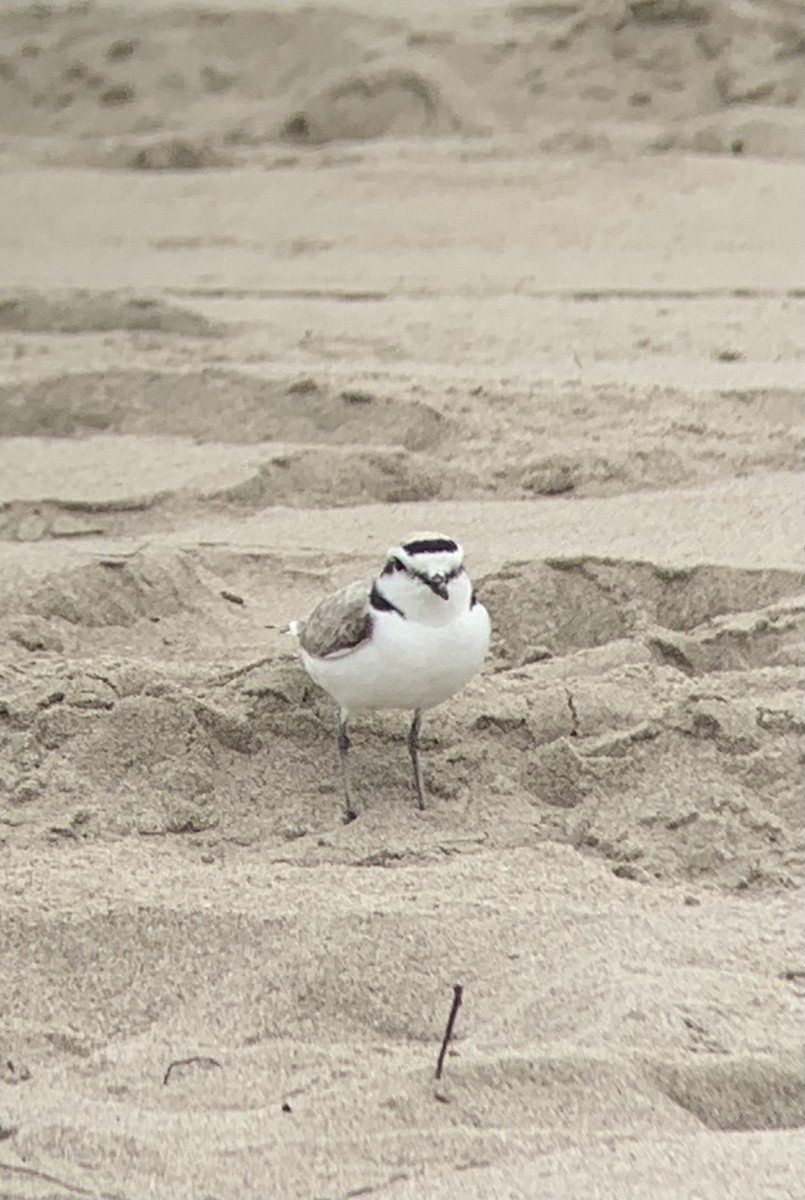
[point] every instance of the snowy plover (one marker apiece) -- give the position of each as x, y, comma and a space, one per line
411, 639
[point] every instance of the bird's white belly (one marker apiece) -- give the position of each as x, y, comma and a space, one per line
406, 664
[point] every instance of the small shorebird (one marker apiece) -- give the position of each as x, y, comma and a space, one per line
410, 640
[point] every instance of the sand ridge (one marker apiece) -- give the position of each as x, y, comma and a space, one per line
281, 285
203, 88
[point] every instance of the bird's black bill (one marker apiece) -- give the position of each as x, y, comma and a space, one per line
438, 585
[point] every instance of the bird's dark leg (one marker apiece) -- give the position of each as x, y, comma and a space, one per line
344, 744
413, 748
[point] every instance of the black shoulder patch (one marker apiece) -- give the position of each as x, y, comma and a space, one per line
473, 598
380, 604
431, 546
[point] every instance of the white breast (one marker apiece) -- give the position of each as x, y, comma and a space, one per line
407, 663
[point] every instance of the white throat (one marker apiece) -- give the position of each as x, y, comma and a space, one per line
417, 602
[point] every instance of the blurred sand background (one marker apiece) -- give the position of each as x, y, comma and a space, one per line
279, 285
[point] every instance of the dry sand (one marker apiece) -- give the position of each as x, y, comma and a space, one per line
279, 287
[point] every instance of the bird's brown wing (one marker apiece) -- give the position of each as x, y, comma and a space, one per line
341, 622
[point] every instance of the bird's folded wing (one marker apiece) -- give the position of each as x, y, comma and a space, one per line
340, 623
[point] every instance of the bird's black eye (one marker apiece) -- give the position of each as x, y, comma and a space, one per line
393, 564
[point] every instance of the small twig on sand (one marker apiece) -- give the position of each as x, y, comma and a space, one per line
236, 672
458, 993
185, 1062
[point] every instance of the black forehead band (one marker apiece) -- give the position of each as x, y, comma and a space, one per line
431, 546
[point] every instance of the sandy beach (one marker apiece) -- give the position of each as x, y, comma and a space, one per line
281, 285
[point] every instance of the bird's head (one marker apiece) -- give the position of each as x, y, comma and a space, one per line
429, 559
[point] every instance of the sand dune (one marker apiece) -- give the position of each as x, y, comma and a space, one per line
280, 285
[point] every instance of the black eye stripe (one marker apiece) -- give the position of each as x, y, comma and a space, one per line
394, 565
423, 577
